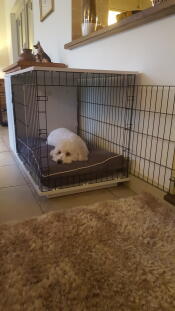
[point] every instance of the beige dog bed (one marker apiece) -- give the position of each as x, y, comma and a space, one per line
112, 256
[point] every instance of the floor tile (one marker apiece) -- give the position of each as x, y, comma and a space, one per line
11, 176
4, 135
3, 131
6, 158
17, 203
3, 146
121, 191
86, 198
6, 141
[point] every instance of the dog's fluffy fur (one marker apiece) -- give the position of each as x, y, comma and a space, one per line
68, 146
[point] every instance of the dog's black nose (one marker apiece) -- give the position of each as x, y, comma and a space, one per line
59, 161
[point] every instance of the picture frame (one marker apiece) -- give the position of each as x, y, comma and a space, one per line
46, 8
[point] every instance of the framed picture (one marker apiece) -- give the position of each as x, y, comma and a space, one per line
46, 7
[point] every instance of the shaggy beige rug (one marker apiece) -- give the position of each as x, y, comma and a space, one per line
112, 256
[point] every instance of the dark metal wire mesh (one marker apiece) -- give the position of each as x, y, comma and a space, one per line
113, 114
153, 136
104, 120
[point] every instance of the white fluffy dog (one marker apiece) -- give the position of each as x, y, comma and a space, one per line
68, 146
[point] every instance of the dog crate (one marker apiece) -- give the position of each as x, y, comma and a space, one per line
96, 105
3, 110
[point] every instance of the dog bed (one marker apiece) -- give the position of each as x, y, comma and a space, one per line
100, 164
111, 256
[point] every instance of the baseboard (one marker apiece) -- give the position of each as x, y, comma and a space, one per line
150, 181
138, 186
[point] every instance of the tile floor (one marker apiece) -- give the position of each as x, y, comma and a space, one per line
18, 200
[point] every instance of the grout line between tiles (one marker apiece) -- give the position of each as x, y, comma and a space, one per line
6, 187
30, 187
10, 164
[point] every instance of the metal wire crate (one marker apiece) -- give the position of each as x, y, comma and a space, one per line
153, 136
112, 114
103, 117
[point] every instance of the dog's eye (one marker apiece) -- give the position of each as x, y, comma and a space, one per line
59, 152
67, 154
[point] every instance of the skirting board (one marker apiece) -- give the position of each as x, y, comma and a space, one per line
70, 190
137, 185
149, 181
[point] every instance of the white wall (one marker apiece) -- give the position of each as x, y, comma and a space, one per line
55, 30
5, 34
4, 58
149, 49
8, 8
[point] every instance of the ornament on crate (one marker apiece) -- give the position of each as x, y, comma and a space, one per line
41, 56
155, 2
26, 55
